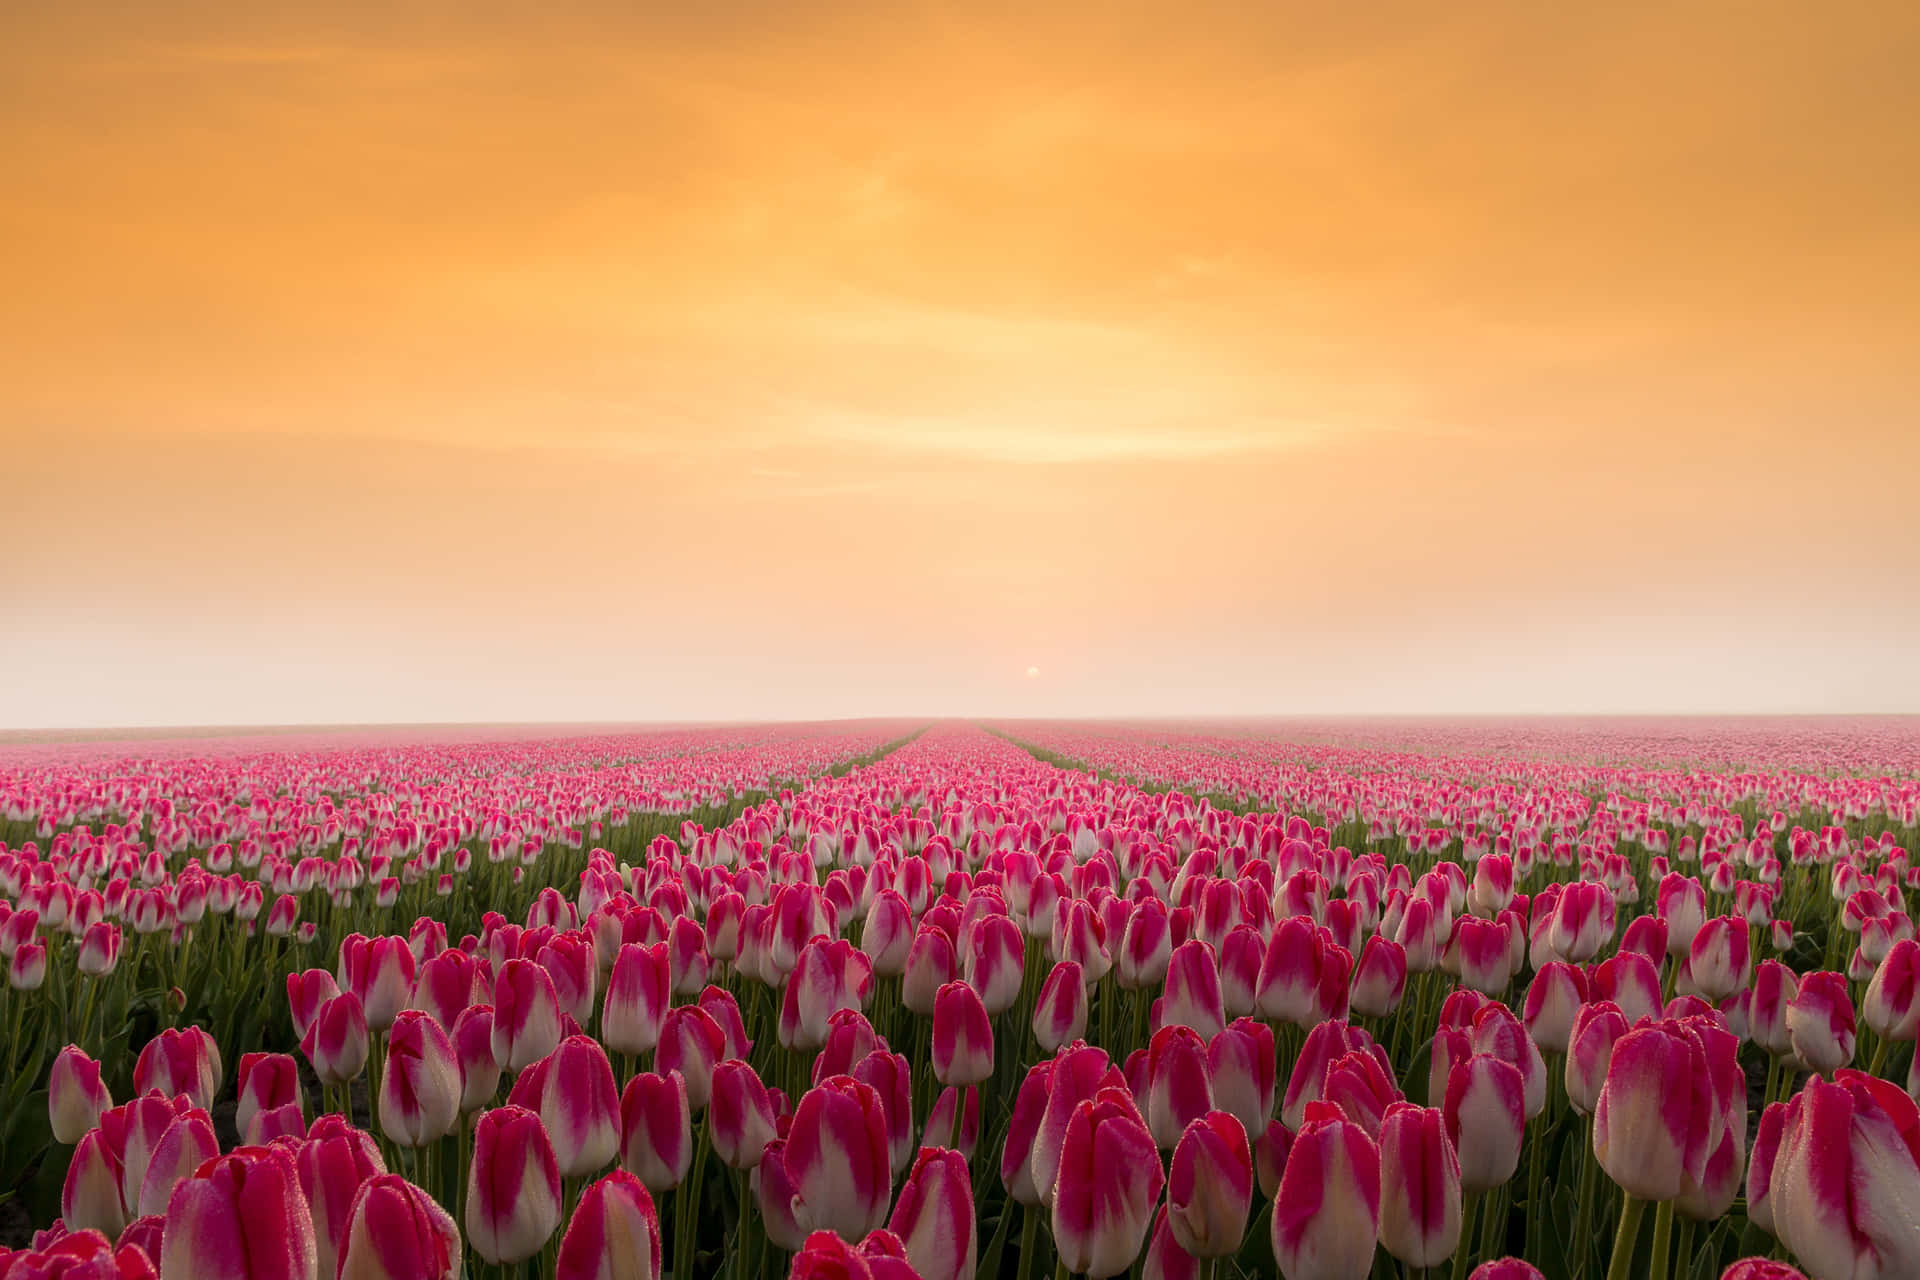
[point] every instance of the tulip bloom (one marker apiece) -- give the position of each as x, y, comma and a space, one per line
399, 1232
336, 1042
1210, 1186
1240, 1065
1485, 1114
1380, 979
1060, 1013
614, 1233
934, 1217
1846, 1178
1419, 1186
1179, 1087
827, 977
472, 1039
526, 1014
1016, 1155
1506, 1269
1892, 1003
1108, 1182
76, 1096
242, 1215
656, 1130
962, 1036
838, 1158
335, 1162
1326, 1217
1656, 1121
420, 1090
1596, 1028
1192, 996
176, 1062
637, 998
91, 1197
691, 1043
1554, 997
1820, 1022
513, 1186
741, 1114
773, 1195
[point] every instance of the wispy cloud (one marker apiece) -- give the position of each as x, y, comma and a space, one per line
1040, 443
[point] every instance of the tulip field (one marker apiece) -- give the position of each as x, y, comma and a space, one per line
883, 1000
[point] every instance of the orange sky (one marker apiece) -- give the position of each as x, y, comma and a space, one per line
766, 360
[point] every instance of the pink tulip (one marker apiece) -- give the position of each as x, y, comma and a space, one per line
930, 965
1270, 1150
380, 972
580, 1107
1165, 1259
1179, 1085
1060, 1012
336, 1041
995, 961
184, 1145
891, 1076
76, 1095
1108, 1182
838, 1158
774, 1196
1766, 1151
1420, 1191
1506, 1269
306, 992
1485, 1115
1381, 977
887, 934
99, 952
1240, 1065
720, 1006
335, 1162
176, 1062
91, 1197
526, 1015
1146, 946
1631, 981
656, 1128
962, 1036
692, 1043
1759, 1269
637, 998
1774, 989
828, 976
1590, 1051
1820, 1022
1719, 961
1023, 1123
1326, 1216
396, 1231
241, 1215
934, 1217
472, 1039
1847, 1177
1325, 1043
1192, 995
1582, 922
1210, 1186
513, 1186
741, 1114
940, 1132
1554, 997
1362, 1088
1656, 1121
614, 1233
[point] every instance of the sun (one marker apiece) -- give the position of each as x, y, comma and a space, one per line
1033, 673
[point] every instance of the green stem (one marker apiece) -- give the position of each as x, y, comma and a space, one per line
1463, 1255
1662, 1238
1624, 1240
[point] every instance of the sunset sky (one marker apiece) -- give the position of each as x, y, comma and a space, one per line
474, 361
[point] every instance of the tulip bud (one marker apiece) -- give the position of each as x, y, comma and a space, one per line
1595, 1029
177, 1062
91, 1195
1759, 1269
1654, 1125
741, 1114
1774, 988
513, 1186
775, 1197
1553, 998
1847, 1176
1381, 977
1486, 1117
1506, 1269
396, 1231
638, 996
76, 1095
614, 1233
335, 1163
962, 1036
336, 1042
1210, 1186
1192, 995
934, 1216
656, 1128
1326, 1216
1419, 1186
472, 1039
1060, 1013
1108, 1183
240, 1216
1820, 1022
1016, 1155
526, 1015
1240, 1066
838, 1158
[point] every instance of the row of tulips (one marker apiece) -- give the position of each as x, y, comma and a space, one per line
721, 961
